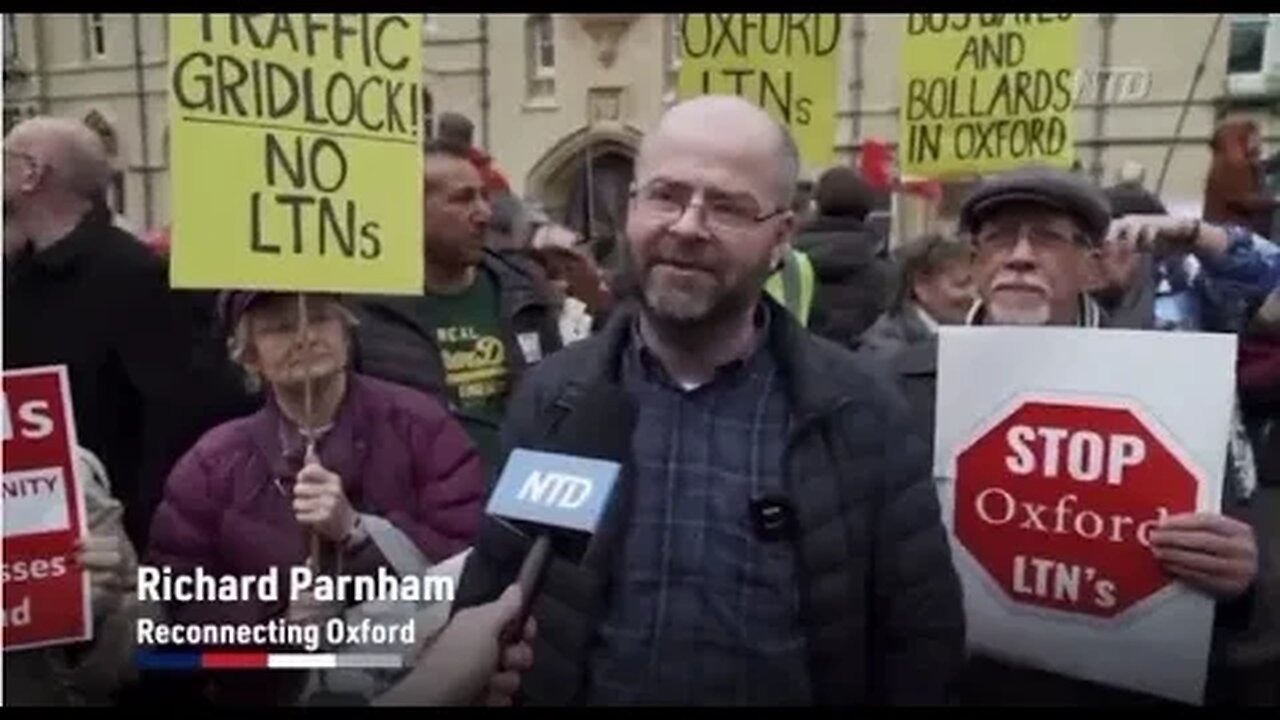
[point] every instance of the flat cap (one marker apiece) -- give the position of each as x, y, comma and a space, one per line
1058, 189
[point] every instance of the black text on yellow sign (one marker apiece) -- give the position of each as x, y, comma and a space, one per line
783, 62
296, 151
986, 92
302, 183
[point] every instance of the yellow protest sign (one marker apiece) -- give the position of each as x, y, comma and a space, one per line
983, 93
785, 63
295, 148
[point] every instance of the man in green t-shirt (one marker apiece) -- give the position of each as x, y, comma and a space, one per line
483, 318
468, 333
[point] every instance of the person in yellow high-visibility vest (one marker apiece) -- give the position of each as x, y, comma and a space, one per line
792, 284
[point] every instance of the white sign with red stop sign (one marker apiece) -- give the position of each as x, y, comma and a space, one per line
1057, 451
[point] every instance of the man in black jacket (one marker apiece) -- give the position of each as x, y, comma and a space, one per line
80, 292
483, 318
854, 283
774, 537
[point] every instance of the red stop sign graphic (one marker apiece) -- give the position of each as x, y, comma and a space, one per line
1056, 502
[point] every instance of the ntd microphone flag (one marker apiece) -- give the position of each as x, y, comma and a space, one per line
552, 489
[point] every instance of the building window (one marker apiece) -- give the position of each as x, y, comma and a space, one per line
671, 45
10, 36
1247, 45
95, 36
1253, 55
540, 52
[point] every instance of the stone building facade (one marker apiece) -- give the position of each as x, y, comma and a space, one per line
561, 100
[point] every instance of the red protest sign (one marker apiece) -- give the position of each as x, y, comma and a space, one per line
46, 601
1056, 502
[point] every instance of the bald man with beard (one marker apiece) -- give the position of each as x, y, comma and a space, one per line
774, 537
84, 293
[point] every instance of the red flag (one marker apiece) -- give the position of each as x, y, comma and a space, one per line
876, 164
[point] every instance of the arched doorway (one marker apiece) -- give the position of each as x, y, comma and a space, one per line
596, 207
583, 182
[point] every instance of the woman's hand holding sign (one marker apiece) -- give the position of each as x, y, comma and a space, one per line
1215, 553
319, 503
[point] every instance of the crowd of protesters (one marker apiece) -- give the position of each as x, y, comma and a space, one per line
752, 338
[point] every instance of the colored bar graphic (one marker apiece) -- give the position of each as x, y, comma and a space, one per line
233, 661
369, 661
152, 660
301, 660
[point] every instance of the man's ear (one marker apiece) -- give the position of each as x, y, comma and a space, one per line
786, 228
775, 257
1091, 270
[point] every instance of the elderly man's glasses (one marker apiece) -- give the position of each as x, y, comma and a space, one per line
1041, 238
722, 212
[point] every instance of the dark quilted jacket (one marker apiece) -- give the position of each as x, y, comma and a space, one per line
853, 282
400, 457
881, 603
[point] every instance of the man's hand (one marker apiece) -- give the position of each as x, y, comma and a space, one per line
1215, 553
1165, 235
104, 559
466, 664
319, 503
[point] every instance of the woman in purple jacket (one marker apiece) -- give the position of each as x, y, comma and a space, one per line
249, 498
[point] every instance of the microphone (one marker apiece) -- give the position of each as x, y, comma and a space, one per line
551, 493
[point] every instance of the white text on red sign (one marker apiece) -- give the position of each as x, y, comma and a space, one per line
1088, 454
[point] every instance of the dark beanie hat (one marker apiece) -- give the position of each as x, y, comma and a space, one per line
233, 304
841, 192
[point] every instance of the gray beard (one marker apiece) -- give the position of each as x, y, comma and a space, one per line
666, 315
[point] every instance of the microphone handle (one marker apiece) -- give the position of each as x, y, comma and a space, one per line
529, 578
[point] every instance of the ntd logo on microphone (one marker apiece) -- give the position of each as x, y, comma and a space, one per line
553, 489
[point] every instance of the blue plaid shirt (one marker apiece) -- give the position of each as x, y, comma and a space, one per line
1216, 297
701, 611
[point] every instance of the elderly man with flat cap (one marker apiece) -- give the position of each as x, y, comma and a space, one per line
1033, 232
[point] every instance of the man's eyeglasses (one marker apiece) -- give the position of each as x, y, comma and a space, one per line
1041, 238
721, 212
